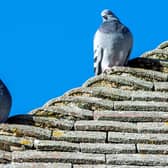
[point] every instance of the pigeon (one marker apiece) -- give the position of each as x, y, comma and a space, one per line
112, 42
5, 102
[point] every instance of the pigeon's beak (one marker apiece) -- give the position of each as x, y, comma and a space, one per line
105, 17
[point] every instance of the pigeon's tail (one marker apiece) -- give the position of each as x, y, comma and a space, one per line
98, 56
126, 61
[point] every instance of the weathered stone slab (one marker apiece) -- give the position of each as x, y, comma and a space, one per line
121, 137
152, 64
7, 141
85, 125
149, 96
137, 159
111, 93
161, 86
107, 148
118, 81
5, 157
152, 149
79, 136
53, 122
41, 165
139, 72
132, 116
67, 111
153, 127
6, 166
115, 166
26, 130
63, 157
83, 102
88, 166
140, 106
46, 145
133, 166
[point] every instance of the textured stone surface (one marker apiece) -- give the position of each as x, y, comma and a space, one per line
49, 122
7, 141
132, 116
116, 166
26, 130
5, 157
147, 63
65, 111
141, 105
142, 73
65, 157
79, 136
153, 127
89, 166
149, 96
137, 159
105, 126
38, 165
46, 145
161, 86
123, 137
107, 148
89, 103
152, 149
118, 81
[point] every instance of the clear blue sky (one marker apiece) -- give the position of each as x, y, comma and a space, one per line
46, 46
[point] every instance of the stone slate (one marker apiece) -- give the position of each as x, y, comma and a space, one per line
161, 86
37, 165
107, 148
115, 166
89, 103
132, 116
153, 127
117, 80
5, 157
137, 159
26, 130
86, 125
79, 136
148, 75
69, 111
7, 141
63, 157
46, 145
140, 106
152, 149
124, 137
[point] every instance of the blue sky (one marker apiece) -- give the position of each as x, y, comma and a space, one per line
46, 46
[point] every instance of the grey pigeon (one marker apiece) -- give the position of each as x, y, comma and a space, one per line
5, 102
112, 43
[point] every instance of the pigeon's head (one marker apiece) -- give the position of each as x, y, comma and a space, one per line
108, 15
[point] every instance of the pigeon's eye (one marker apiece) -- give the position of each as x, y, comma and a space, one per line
105, 17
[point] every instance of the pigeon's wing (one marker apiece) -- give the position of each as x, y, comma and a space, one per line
98, 53
128, 43
5, 102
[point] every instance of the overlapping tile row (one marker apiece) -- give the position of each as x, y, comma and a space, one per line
117, 119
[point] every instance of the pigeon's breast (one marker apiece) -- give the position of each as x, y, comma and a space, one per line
113, 27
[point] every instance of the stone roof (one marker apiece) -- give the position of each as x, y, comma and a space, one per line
118, 119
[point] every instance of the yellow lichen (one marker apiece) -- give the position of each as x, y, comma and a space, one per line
25, 142
58, 133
